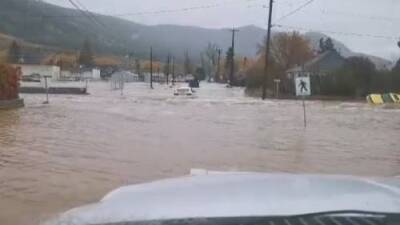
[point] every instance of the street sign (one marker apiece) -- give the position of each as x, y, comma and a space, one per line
303, 87
277, 82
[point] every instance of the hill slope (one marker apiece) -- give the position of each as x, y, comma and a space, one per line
52, 25
314, 38
46, 24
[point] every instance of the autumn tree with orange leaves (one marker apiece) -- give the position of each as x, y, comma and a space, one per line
288, 49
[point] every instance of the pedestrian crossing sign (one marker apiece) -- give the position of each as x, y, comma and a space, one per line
303, 87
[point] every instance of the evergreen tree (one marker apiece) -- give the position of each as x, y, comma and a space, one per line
396, 68
321, 45
188, 68
86, 58
138, 67
326, 45
229, 58
329, 45
14, 53
200, 74
228, 61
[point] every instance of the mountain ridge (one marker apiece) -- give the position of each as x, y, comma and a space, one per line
67, 28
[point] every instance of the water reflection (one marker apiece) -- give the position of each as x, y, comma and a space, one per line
9, 120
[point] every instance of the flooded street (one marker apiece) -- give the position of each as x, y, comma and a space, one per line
78, 148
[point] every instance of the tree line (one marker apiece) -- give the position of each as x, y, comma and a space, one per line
359, 77
356, 78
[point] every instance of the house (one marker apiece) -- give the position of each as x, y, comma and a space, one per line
125, 76
56, 74
157, 77
83, 74
42, 70
91, 74
322, 65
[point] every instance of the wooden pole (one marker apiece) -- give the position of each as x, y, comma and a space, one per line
151, 67
304, 111
173, 70
267, 48
232, 69
47, 90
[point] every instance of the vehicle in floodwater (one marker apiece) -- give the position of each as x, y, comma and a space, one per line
183, 91
209, 198
35, 77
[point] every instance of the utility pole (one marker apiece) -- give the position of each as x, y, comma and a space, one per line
233, 57
218, 65
173, 70
25, 16
47, 89
151, 67
168, 67
186, 63
267, 48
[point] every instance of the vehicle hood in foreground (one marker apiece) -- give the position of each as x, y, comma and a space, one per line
239, 195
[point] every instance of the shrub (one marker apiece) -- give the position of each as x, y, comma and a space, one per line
9, 82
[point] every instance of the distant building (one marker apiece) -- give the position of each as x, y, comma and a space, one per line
92, 74
42, 70
67, 75
157, 77
56, 74
87, 74
125, 76
322, 65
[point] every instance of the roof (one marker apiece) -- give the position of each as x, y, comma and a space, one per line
35, 65
239, 195
325, 62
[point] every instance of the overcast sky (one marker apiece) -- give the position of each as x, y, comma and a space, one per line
363, 17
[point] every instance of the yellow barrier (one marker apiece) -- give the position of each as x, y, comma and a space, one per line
395, 97
379, 99
375, 99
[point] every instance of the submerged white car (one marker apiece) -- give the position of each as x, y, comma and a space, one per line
183, 91
246, 199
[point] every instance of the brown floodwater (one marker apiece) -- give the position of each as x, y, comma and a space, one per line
76, 149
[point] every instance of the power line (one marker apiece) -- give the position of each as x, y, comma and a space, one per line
92, 15
185, 9
85, 14
81, 11
93, 18
155, 12
295, 11
151, 67
359, 15
338, 32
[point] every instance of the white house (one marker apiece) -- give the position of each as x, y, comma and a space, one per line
94, 74
125, 76
43, 70
157, 77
